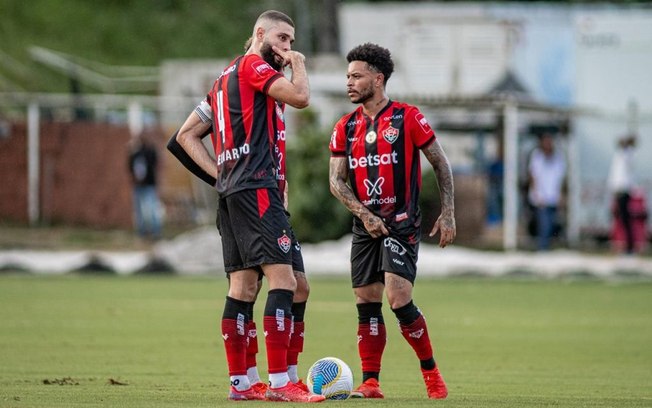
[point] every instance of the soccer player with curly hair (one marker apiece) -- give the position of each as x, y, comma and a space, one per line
375, 171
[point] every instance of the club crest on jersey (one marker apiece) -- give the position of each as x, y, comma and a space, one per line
371, 137
284, 243
390, 134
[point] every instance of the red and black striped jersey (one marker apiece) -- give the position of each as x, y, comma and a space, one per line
383, 157
247, 123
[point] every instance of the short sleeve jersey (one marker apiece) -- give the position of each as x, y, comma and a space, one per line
247, 123
383, 158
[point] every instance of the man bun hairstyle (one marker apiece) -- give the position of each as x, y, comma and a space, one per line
378, 58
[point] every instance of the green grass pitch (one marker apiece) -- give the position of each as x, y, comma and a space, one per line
88, 341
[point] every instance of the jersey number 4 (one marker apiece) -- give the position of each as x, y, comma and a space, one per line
220, 115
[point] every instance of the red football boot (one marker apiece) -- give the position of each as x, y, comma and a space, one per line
435, 384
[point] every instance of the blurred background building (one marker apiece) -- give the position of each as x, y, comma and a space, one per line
490, 77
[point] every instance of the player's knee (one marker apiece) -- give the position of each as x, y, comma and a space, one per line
370, 293
303, 288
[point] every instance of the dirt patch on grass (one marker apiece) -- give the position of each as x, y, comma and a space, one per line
61, 381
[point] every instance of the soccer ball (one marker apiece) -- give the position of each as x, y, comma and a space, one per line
330, 377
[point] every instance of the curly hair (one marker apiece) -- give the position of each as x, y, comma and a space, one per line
378, 58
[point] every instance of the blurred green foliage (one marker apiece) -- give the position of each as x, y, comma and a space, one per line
120, 32
316, 215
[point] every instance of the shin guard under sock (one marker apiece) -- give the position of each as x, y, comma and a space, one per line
277, 324
415, 331
297, 337
372, 338
252, 336
234, 325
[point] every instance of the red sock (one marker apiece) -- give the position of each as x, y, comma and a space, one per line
252, 344
235, 344
416, 335
277, 341
296, 343
372, 338
277, 324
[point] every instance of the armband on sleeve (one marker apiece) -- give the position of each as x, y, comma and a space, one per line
204, 111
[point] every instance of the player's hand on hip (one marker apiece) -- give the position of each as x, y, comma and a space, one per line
374, 226
445, 225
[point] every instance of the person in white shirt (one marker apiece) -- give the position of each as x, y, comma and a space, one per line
621, 183
547, 171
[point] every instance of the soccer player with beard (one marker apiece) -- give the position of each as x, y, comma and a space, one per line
244, 112
375, 172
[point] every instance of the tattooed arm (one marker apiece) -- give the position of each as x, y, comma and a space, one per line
445, 224
338, 175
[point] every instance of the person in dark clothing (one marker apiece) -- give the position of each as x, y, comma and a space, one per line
143, 167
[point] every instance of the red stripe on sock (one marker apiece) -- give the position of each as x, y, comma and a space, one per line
235, 346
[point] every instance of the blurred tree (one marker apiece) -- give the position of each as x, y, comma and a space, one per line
315, 214
429, 202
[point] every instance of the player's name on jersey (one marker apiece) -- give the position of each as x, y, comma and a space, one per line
233, 154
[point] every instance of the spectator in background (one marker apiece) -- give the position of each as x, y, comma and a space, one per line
143, 167
495, 176
547, 171
621, 184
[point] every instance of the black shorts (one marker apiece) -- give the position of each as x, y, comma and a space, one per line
372, 257
255, 231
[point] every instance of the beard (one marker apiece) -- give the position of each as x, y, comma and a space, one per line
270, 57
363, 96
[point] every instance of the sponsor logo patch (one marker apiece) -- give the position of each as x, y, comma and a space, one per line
279, 112
371, 137
416, 334
423, 122
240, 325
333, 139
373, 326
394, 246
261, 67
374, 187
280, 320
373, 160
